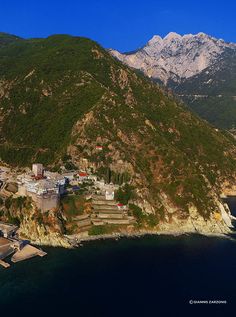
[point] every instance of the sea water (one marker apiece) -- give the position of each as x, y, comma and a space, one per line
148, 276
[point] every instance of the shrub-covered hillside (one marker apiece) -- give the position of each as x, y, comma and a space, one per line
66, 94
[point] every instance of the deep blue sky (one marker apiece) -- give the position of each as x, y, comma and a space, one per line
120, 24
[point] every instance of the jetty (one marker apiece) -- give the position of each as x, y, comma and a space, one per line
11, 244
4, 264
26, 253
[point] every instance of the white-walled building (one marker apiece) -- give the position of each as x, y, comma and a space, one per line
60, 180
110, 194
44, 192
37, 169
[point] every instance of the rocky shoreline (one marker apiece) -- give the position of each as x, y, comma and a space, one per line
117, 236
73, 241
194, 224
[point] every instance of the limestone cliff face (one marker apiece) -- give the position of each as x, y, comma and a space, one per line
218, 223
42, 234
40, 228
176, 57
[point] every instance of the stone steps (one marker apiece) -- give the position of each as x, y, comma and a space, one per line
98, 222
110, 216
104, 202
103, 206
108, 211
85, 228
82, 217
118, 221
82, 223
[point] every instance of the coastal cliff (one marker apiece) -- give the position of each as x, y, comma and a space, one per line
40, 228
50, 228
42, 235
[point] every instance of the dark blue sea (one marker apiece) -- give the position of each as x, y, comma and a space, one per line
149, 276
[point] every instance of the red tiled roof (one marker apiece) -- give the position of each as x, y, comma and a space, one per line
83, 174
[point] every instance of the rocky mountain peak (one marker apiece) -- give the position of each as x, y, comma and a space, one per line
155, 39
176, 57
172, 36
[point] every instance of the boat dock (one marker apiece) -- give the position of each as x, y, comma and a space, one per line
26, 253
11, 244
4, 264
